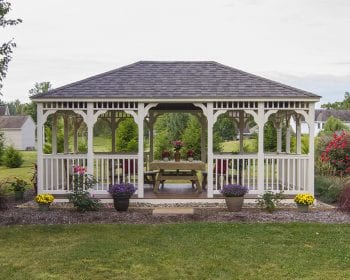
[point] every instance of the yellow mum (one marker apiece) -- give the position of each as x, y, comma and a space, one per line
45, 198
304, 199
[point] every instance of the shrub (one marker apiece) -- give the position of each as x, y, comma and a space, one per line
328, 189
269, 201
3, 192
344, 201
2, 146
12, 158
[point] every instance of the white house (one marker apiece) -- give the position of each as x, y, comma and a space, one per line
19, 131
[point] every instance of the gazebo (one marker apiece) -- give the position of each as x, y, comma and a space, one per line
146, 89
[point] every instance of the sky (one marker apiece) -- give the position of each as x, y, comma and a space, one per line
302, 43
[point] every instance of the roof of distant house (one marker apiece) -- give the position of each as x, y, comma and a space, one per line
322, 115
176, 79
12, 122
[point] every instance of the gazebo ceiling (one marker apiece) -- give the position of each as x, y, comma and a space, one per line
175, 80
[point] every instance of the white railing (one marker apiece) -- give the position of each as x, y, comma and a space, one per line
58, 171
113, 169
286, 172
108, 169
235, 169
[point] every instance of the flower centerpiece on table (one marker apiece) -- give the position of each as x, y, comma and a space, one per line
165, 155
177, 144
190, 155
81, 197
121, 194
234, 194
303, 201
44, 200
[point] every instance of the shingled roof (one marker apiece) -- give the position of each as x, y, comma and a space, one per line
322, 115
12, 122
164, 80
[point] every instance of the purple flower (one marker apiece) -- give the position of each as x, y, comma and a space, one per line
234, 190
123, 189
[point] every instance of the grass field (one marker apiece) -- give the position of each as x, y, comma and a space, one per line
176, 251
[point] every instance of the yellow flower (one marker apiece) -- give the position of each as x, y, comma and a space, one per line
45, 198
304, 199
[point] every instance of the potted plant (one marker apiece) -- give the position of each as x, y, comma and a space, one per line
44, 201
234, 194
190, 155
165, 155
304, 201
19, 187
121, 194
177, 144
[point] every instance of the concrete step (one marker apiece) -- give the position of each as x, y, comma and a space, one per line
172, 211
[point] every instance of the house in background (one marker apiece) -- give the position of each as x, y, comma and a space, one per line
19, 131
321, 117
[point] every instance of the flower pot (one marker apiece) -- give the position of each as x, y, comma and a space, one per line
177, 156
165, 159
121, 203
190, 159
234, 204
44, 207
303, 208
19, 195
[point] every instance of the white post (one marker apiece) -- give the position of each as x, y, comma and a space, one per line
311, 168
151, 137
113, 129
54, 134
40, 158
278, 126
287, 135
65, 133
203, 138
210, 121
140, 115
298, 133
241, 131
75, 135
90, 132
261, 169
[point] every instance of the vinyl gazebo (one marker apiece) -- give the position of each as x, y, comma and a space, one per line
146, 89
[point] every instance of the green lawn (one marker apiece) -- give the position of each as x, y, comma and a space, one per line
24, 172
233, 146
176, 251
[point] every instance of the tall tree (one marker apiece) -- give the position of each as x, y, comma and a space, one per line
42, 87
6, 49
339, 105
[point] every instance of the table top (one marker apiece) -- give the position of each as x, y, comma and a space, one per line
174, 165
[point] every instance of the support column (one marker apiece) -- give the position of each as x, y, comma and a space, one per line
261, 169
241, 131
288, 135
203, 138
113, 129
54, 134
40, 142
140, 118
90, 132
151, 137
65, 133
311, 168
75, 135
278, 126
298, 133
210, 121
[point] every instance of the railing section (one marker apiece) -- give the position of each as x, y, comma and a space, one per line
235, 169
286, 172
113, 169
58, 171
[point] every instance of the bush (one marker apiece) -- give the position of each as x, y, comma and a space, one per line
269, 201
2, 146
12, 158
328, 189
344, 201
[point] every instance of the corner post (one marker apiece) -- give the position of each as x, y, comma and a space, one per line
40, 142
140, 119
311, 168
90, 148
210, 155
261, 170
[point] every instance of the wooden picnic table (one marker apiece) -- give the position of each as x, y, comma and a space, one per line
177, 170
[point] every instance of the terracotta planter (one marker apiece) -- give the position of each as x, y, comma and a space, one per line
234, 204
303, 208
121, 203
177, 156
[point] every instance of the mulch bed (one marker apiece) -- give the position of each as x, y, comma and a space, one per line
26, 212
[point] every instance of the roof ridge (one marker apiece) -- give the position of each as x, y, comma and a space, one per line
265, 79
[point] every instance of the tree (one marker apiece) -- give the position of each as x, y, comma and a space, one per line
127, 136
225, 127
6, 49
333, 124
339, 105
30, 108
